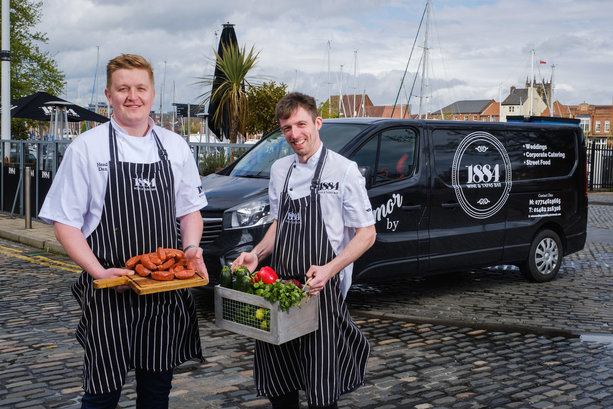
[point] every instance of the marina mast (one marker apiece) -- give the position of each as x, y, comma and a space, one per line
424, 72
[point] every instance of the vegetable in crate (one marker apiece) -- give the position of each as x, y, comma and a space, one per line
243, 280
225, 278
264, 283
286, 292
266, 275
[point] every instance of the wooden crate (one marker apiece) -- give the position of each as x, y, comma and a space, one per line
235, 311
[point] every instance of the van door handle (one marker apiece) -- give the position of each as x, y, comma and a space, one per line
411, 207
450, 205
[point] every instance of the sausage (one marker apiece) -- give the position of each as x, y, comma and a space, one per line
189, 265
177, 254
162, 275
162, 253
132, 262
155, 259
184, 274
178, 267
142, 270
146, 260
167, 264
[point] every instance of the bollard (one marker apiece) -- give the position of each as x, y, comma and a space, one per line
26, 188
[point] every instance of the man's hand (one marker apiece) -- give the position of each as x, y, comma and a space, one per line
195, 254
114, 272
319, 276
248, 260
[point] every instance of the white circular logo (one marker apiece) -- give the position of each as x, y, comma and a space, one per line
481, 175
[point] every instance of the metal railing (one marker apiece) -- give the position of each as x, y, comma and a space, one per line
43, 159
600, 164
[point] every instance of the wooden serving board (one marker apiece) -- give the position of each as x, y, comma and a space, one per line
146, 285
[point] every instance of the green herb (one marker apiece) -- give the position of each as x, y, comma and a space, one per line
286, 293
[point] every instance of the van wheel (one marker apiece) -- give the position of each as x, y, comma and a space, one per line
545, 257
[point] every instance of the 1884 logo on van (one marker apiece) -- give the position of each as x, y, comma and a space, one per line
481, 175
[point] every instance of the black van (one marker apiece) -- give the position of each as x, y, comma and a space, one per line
446, 195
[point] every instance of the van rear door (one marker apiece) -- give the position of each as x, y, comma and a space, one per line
471, 179
548, 185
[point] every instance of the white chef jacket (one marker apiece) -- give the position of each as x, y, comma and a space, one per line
343, 197
76, 196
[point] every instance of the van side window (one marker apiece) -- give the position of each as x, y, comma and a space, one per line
390, 155
537, 155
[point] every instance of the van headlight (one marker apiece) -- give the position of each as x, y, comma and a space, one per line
249, 214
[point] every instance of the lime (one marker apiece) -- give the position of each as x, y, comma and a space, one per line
264, 325
259, 313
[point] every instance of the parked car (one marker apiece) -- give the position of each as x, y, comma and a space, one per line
19, 154
446, 195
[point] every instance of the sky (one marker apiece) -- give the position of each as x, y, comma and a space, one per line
476, 49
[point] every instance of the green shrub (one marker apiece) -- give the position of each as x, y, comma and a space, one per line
212, 162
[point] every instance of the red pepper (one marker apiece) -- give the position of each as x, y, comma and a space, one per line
266, 275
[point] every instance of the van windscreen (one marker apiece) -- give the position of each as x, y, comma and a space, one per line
257, 161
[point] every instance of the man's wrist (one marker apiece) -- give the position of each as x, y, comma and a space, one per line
189, 247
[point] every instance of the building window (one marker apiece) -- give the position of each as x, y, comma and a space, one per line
466, 117
511, 109
597, 126
585, 124
607, 126
474, 117
455, 117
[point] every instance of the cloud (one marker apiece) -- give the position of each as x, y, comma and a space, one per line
476, 47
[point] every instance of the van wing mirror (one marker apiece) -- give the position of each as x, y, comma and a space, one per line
366, 173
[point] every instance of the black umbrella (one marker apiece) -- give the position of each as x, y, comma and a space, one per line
40, 107
228, 36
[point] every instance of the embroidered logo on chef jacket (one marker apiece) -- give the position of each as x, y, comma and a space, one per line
329, 187
102, 166
144, 184
292, 218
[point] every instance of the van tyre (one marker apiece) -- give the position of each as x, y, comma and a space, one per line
545, 257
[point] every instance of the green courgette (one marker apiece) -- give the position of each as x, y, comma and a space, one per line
225, 278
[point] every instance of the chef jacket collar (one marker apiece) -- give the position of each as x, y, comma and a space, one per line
312, 161
150, 125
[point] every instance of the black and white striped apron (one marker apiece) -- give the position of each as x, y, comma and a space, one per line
332, 360
122, 331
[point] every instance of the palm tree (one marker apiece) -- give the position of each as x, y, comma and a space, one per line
228, 92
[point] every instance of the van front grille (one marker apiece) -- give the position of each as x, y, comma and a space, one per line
211, 230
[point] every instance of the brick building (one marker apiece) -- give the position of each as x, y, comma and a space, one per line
595, 119
388, 111
350, 105
468, 110
364, 107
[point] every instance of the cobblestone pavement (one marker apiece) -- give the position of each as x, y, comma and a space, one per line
479, 339
600, 216
501, 298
